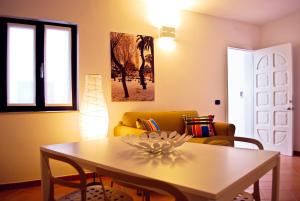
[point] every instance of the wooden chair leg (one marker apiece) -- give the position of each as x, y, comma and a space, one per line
94, 182
256, 193
112, 183
139, 192
83, 194
51, 191
147, 195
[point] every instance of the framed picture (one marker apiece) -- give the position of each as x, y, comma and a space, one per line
132, 67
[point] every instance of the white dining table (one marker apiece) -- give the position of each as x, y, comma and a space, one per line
200, 171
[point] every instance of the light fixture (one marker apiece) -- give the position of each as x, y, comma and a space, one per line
167, 32
166, 38
93, 114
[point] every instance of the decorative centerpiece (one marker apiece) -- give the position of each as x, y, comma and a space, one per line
157, 142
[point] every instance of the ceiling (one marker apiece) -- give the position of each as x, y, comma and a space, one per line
251, 11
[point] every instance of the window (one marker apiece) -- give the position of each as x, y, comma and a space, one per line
38, 65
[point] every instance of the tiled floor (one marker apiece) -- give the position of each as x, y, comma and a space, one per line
289, 180
289, 186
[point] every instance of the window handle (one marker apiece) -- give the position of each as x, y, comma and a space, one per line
42, 71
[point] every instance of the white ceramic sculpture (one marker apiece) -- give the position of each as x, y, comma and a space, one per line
155, 142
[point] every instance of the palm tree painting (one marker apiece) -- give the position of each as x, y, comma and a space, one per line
132, 67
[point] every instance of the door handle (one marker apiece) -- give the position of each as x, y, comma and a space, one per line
290, 108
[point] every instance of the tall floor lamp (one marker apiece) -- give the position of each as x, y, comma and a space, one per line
93, 113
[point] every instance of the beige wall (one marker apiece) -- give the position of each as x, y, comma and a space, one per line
190, 77
283, 31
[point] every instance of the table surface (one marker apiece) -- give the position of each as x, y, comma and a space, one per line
199, 169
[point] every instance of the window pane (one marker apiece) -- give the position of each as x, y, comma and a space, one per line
58, 66
21, 64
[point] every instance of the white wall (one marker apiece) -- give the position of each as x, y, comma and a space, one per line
240, 80
190, 77
283, 31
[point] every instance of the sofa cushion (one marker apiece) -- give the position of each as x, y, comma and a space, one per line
148, 125
169, 121
199, 126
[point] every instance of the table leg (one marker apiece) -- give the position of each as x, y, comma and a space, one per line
275, 181
45, 177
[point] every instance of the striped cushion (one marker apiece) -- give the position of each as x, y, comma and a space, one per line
148, 125
199, 126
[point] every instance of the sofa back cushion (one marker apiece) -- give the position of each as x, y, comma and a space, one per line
200, 126
168, 121
148, 125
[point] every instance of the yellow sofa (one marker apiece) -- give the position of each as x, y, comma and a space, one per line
167, 121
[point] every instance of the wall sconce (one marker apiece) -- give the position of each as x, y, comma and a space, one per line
93, 114
167, 32
166, 39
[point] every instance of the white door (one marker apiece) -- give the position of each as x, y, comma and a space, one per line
273, 98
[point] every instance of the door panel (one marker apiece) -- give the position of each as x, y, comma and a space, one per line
273, 98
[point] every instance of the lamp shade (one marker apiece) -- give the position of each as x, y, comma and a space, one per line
93, 114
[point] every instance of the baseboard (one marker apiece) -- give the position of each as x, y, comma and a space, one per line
34, 183
296, 153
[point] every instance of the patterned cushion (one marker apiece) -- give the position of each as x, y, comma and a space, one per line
148, 125
199, 126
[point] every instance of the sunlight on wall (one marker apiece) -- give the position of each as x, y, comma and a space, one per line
164, 12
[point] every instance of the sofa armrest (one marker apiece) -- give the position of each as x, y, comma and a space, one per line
224, 129
121, 130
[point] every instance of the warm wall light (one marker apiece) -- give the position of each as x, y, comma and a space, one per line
166, 38
167, 32
93, 114
164, 12
166, 44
